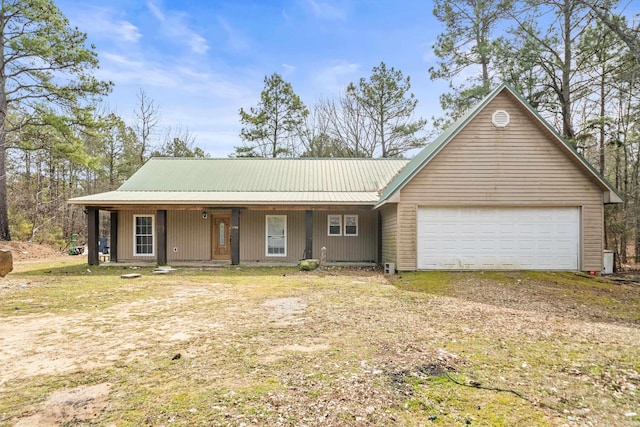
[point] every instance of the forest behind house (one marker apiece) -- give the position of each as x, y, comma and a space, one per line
575, 61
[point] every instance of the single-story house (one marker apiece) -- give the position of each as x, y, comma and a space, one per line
500, 189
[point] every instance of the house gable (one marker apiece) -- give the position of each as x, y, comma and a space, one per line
520, 164
488, 107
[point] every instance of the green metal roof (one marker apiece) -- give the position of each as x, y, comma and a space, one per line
430, 151
263, 175
251, 180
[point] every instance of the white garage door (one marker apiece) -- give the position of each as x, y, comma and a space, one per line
498, 238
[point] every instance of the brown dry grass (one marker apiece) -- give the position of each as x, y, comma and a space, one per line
279, 347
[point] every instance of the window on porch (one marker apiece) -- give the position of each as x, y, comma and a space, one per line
143, 232
334, 225
276, 229
351, 225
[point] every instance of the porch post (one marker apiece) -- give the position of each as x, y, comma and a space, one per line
308, 247
379, 254
235, 236
93, 225
161, 233
113, 244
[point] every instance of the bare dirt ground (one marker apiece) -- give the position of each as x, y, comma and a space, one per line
82, 347
23, 251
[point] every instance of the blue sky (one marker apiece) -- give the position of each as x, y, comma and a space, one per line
200, 61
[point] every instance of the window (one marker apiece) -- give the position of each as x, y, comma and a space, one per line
143, 235
351, 225
222, 240
276, 235
334, 225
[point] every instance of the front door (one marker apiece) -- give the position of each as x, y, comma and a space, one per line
221, 245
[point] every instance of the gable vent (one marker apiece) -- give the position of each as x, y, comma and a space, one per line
500, 119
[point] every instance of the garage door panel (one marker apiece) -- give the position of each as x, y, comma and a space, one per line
498, 238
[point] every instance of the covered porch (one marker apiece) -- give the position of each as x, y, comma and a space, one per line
220, 235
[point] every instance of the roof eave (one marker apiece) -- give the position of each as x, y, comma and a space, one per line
612, 197
201, 203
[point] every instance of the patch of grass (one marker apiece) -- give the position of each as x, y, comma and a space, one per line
605, 298
452, 404
26, 396
593, 298
441, 399
75, 293
431, 282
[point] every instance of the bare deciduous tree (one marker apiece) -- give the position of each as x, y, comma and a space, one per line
147, 116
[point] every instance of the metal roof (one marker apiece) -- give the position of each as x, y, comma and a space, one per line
430, 151
227, 198
253, 181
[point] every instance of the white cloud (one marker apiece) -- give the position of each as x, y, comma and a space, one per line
335, 77
175, 26
204, 102
288, 70
128, 31
286, 17
326, 10
197, 43
124, 71
155, 11
119, 59
235, 39
215, 127
428, 55
212, 85
104, 24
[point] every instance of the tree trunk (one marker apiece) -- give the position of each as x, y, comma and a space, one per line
636, 243
4, 208
603, 113
636, 193
565, 89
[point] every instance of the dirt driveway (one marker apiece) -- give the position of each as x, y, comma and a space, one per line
82, 346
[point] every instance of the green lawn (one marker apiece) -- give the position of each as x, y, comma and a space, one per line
274, 346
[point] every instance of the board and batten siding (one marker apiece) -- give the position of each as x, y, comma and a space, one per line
188, 236
187, 231
253, 236
389, 216
519, 165
360, 248
125, 236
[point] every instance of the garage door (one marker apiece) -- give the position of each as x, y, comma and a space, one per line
498, 238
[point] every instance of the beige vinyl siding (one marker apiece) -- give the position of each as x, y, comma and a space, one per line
125, 236
389, 238
520, 165
362, 247
592, 247
253, 236
407, 232
190, 234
